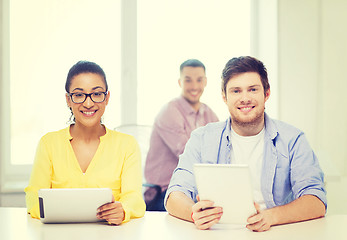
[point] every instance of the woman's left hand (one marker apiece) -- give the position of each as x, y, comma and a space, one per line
112, 212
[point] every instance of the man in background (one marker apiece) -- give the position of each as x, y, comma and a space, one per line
172, 128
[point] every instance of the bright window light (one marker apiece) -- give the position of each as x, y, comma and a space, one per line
46, 39
170, 32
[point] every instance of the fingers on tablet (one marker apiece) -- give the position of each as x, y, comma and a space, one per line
205, 218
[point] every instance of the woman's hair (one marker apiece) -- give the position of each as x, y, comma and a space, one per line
243, 64
84, 67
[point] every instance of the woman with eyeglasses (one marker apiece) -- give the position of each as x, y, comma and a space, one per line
87, 154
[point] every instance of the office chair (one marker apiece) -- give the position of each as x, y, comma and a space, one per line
142, 133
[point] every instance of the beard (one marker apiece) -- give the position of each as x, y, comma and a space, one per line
249, 123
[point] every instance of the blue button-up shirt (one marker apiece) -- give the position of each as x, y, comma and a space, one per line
290, 168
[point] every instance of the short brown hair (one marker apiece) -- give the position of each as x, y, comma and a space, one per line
244, 64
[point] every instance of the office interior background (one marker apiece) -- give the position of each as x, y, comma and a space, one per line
140, 45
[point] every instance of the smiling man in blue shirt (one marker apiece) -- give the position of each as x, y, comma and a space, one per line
288, 183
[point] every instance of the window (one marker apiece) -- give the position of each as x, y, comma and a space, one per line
170, 32
45, 39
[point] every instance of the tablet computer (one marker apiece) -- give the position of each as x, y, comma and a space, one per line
68, 205
229, 187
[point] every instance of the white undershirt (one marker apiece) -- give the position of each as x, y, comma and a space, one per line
249, 150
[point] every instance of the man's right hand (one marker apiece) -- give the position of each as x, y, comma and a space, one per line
205, 214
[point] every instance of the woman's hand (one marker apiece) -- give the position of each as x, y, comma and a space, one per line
112, 212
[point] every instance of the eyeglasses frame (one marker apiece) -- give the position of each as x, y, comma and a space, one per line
88, 95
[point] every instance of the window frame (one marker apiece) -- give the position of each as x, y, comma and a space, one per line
13, 178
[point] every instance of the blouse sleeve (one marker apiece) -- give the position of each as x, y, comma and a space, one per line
131, 183
40, 178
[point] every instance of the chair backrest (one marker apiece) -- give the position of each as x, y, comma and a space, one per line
142, 134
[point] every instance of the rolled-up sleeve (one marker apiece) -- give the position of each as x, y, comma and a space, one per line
306, 176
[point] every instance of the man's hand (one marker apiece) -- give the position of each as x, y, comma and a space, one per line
112, 212
261, 221
205, 214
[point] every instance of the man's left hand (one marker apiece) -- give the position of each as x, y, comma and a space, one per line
261, 221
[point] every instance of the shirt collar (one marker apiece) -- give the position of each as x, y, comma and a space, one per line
188, 109
227, 129
270, 128
68, 135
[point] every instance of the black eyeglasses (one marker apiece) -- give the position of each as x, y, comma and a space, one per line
96, 97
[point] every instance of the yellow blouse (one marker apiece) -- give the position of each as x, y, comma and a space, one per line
116, 165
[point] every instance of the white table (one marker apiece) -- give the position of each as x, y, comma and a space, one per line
16, 224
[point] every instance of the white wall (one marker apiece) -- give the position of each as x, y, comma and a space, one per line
298, 64
312, 58
332, 129
312, 54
